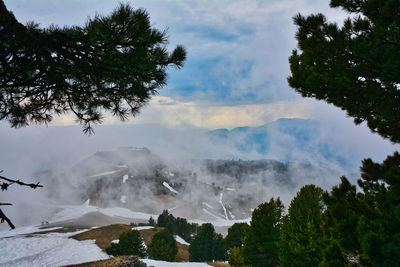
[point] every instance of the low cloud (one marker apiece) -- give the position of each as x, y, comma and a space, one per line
169, 112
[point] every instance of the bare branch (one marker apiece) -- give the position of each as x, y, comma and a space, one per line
21, 183
3, 218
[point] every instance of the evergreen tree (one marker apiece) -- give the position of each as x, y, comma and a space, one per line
164, 218
302, 239
221, 251
235, 257
152, 222
113, 63
184, 229
333, 256
130, 243
355, 66
177, 226
206, 246
261, 241
366, 225
163, 246
236, 234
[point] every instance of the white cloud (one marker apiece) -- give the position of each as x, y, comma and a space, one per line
172, 113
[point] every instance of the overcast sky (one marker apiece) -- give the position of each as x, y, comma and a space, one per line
235, 73
237, 64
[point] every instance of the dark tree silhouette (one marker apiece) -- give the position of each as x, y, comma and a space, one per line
114, 63
4, 186
355, 67
262, 237
302, 238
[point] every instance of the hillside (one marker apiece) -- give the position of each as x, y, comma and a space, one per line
210, 190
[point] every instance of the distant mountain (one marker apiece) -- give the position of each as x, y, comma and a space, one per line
217, 190
298, 140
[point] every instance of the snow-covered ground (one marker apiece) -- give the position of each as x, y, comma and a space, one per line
70, 212
25, 230
181, 240
103, 173
142, 227
170, 188
53, 249
56, 249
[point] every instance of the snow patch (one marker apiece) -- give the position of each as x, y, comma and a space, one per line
70, 212
121, 166
142, 227
169, 187
208, 205
181, 240
47, 250
209, 213
222, 204
124, 178
123, 199
171, 209
25, 230
232, 216
125, 213
103, 174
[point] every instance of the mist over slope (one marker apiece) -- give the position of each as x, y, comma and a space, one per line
296, 144
297, 140
137, 179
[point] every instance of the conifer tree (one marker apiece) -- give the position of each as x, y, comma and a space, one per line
261, 241
356, 66
365, 225
302, 239
236, 234
206, 246
164, 218
130, 243
113, 63
163, 246
152, 222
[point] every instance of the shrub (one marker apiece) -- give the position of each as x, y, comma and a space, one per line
207, 245
163, 246
130, 243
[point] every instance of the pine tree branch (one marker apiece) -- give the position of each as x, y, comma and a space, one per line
21, 183
4, 186
3, 218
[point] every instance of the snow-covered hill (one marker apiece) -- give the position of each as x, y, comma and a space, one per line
50, 245
220, 191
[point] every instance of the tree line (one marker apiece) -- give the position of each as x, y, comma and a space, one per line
340, 227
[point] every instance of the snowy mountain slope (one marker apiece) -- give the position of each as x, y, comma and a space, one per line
220, 191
